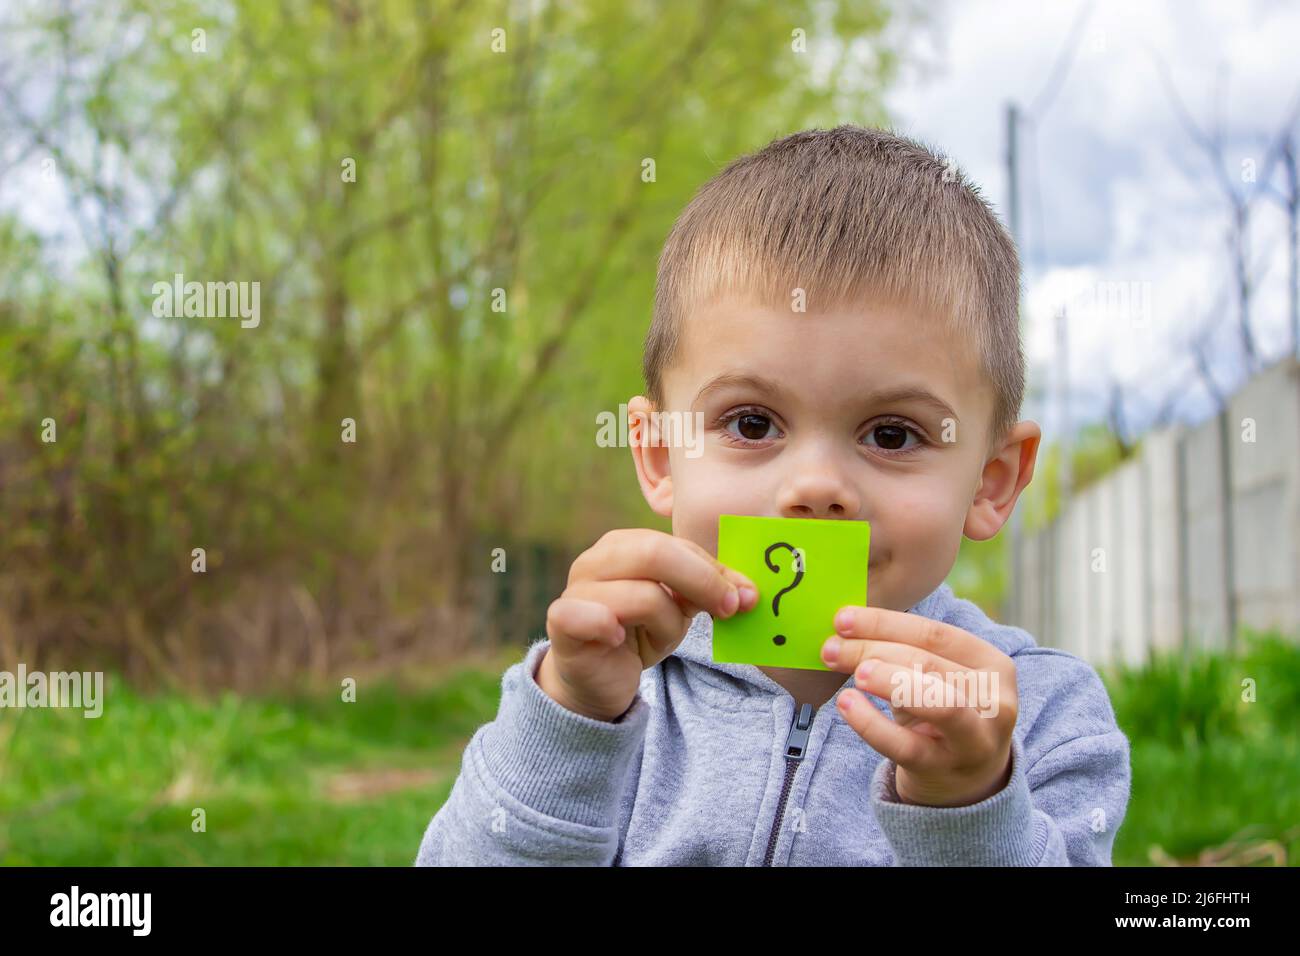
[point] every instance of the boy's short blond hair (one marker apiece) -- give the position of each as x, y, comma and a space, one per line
846, 214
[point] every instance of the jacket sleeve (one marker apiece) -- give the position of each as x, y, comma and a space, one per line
1065, 800
538, 785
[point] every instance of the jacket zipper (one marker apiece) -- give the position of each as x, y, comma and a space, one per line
795, 745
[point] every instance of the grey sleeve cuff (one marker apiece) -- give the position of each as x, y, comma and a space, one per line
560, 763
1001, 830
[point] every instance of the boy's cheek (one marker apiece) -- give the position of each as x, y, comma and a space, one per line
695, 527
695, 517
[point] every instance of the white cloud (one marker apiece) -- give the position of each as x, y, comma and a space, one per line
1121, 195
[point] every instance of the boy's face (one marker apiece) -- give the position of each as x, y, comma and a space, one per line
821, 435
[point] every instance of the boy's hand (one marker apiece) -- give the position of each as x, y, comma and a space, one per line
630, 600
946, 756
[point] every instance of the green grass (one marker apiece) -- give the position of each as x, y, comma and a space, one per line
1207, 767
119, 790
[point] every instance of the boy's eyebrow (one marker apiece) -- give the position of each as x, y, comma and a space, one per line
913, 393
757, 382
884, 396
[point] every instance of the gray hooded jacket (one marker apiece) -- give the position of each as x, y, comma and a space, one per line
711, 766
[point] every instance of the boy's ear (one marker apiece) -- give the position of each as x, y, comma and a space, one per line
653, 470
1004, 477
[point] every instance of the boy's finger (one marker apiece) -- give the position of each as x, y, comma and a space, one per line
904, 747
850, 652
638, 603
748, 597
687, 569
577, 619
937, 637
748, 590
954, 708
689, 609
740, 579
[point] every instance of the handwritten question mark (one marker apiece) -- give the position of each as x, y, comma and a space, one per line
771, 565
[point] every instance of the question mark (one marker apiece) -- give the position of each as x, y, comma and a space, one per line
798, 568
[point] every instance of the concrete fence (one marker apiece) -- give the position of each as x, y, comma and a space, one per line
1194, 538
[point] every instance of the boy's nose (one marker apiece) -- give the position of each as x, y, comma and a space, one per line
818, 494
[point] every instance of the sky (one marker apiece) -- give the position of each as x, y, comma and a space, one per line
1113, 188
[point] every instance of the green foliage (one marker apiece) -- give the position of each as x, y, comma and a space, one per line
1189, 700
980, 572
477, 173
1208, 765
1188, 802
268, 772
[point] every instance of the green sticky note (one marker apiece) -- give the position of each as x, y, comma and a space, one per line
806, 569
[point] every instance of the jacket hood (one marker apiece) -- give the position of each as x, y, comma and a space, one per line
940, 605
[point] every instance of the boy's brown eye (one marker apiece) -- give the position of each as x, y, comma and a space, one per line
753, 427
890, 437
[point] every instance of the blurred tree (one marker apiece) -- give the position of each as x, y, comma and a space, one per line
446, 208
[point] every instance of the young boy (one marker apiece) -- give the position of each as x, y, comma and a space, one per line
841, 308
